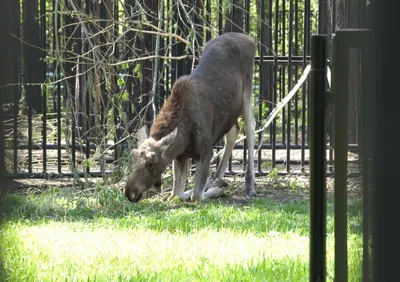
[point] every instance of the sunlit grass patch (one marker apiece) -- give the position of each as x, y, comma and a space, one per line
59, 237
80, 251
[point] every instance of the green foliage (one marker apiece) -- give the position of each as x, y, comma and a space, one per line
273, 174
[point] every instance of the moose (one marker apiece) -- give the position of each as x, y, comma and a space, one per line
203, 108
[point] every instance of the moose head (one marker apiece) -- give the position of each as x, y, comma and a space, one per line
149, 162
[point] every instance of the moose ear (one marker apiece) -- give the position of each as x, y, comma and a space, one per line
142, 134
167, 140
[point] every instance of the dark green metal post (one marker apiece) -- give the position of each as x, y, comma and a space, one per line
318, 159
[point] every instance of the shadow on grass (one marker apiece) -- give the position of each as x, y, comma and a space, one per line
8, 203
258, 215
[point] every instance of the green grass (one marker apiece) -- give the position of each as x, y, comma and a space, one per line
58, 236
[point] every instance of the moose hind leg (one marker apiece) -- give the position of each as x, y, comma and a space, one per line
230, 139
250, 136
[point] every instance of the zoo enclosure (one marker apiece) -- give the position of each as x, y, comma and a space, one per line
90, 73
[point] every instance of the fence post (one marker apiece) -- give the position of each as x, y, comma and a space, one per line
318, 159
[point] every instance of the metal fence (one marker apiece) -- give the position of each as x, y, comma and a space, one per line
89, 73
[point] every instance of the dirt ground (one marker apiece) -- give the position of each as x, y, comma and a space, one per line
277, 188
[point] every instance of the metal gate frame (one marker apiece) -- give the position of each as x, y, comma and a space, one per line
343, 41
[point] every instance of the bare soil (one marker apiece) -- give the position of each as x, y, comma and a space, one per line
276, 188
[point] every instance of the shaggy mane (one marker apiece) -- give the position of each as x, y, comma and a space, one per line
169, 115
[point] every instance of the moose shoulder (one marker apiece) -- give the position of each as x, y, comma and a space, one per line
202, 108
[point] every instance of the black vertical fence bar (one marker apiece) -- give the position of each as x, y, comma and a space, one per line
283, 72
245, 140
174, 48
275, 94
340, 83
304, 90
281, 81
168, 63
104, 92
28, 92
29, 133
127, 106
233, 27
168, 43
307, 32
88, 128
70, 42
115, 93
161, 83
88, 9
44, 89
220, 15
232, 20
290, 67
163, 46
15, 131
296, 52
208, 20
16, 100
318, 161
271, 68
181, 64
247, 16
261, 89
331, 122
57, 23
3, 168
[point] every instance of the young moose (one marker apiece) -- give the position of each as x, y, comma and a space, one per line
202, 108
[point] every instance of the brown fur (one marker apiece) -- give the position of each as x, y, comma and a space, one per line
170, 113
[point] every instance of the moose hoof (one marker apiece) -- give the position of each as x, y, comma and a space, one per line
215, 182
197, 197
214, 192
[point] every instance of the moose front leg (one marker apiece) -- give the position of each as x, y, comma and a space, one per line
201, 175
202, 166
180, 172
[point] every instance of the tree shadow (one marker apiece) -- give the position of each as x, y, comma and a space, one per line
7, 205
114, 206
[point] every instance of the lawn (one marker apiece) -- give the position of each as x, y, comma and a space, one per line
64, 235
